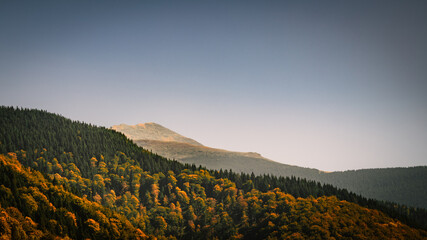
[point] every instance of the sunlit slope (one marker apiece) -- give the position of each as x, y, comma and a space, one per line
152, 131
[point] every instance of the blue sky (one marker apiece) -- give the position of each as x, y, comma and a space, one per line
331, 85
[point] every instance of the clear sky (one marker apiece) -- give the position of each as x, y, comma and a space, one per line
331, 85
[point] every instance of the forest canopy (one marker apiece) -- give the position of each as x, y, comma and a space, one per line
58, 175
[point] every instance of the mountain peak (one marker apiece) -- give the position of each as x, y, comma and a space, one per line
152, 131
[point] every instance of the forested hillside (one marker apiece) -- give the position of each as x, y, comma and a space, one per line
57, 176
402, 185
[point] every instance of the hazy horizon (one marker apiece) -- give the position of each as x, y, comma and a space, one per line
328, 85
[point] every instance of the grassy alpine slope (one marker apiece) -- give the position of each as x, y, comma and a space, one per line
63, 175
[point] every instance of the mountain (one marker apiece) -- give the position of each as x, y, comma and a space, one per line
66, 179
169, 144
401, 185
153, 131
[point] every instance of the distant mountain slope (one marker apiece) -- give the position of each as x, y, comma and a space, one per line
214, 158
401, 185
152, 131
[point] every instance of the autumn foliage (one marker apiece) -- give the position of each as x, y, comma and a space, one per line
86, 190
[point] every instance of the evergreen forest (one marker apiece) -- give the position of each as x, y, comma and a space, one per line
64, 179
